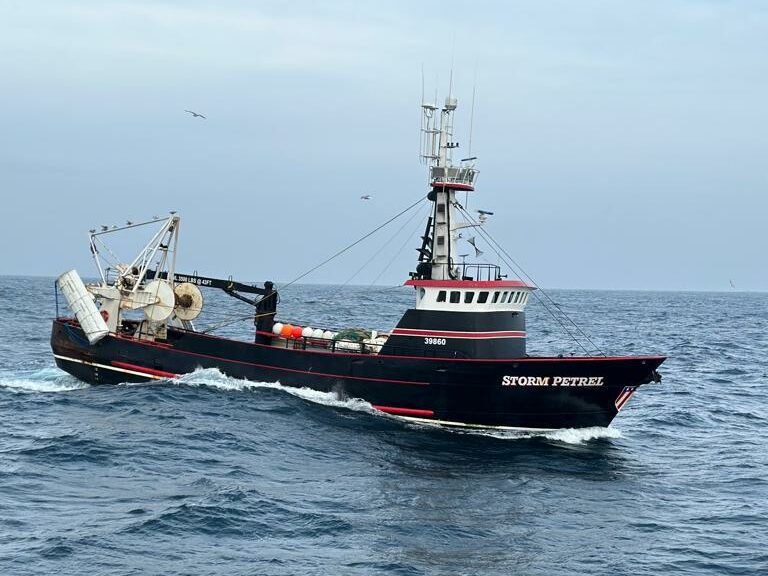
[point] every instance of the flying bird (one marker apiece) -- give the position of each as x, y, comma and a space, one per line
104, 228
365, 197
128, 223
195, 114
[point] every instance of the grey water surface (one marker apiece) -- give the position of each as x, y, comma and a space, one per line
210, 475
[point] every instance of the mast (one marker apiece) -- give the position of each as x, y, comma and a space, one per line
438, 256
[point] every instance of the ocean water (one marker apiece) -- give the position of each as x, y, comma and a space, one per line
210, 475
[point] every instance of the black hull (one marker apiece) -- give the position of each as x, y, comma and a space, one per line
531, 392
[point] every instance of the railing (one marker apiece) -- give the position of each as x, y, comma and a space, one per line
453, 175
364, 349
474, 271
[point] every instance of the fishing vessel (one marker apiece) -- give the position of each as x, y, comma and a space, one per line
457, 357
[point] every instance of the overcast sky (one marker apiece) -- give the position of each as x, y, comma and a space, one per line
621, 144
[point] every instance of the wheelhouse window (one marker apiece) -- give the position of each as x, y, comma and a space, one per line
441, 296
504, 297
495, 297
482, 297
469, 297
455, 296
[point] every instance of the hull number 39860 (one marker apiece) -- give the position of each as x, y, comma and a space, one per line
435, 341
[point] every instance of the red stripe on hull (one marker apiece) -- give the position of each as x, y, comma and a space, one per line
457, 334
405, 411
143, 370
526, 359
267, 366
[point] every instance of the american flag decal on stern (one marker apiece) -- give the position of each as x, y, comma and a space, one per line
624, 397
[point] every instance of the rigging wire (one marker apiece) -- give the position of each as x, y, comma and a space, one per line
226, 322
240, 318
355, 243
383, 247
399, 251
502, 253
507, 258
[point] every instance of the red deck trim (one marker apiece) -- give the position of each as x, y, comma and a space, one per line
268, 366
469, 284
404, 411
143, 370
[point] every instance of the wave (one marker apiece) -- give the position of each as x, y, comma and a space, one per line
214, 378
49, 379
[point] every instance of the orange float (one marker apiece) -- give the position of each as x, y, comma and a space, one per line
296, 332
286, 331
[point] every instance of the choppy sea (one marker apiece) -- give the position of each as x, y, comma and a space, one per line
210, 475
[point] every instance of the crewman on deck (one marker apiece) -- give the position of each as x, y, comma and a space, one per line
266, 308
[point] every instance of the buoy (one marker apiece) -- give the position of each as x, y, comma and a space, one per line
296, 333
317, 333
307, 332
277, 328
328, 335
286, 331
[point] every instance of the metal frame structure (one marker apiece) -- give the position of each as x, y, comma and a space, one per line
130, 276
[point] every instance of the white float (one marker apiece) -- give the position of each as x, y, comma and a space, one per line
81, 303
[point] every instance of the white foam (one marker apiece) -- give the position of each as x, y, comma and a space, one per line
581, 435
564, 435
215, 379
44, 380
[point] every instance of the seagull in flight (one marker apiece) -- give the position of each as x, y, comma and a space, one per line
195, 114
365, 197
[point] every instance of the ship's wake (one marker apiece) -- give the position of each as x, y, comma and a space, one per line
564, 435
49, 379
52, 380
213, 378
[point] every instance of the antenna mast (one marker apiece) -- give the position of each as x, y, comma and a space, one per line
445, 179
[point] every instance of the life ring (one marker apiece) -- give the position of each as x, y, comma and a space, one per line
105, 315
